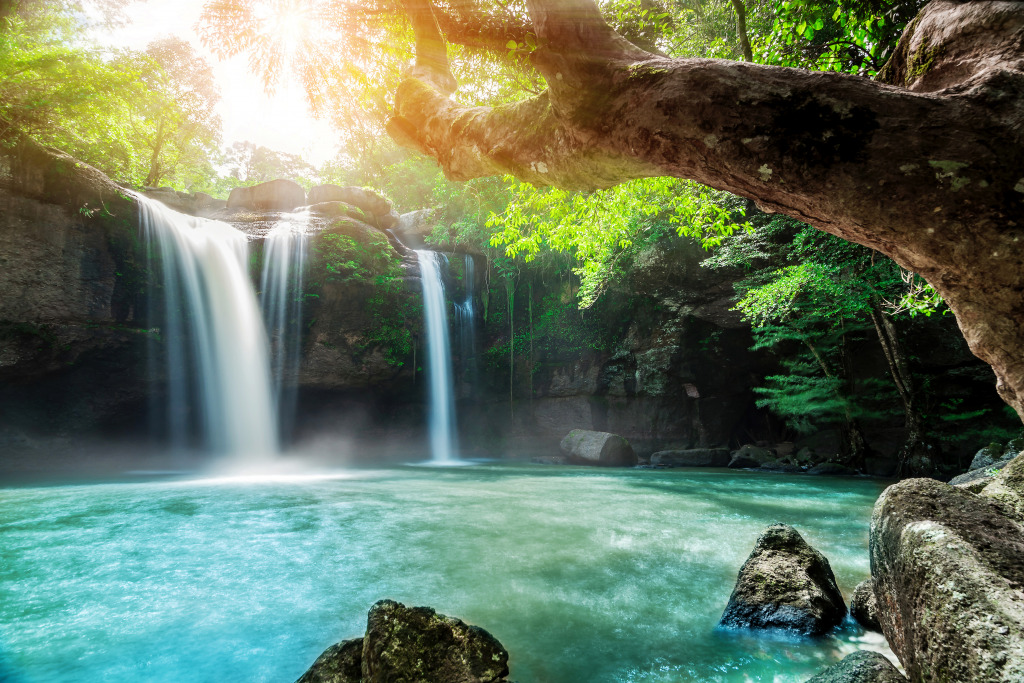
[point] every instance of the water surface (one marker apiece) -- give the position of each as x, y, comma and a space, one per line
583, 574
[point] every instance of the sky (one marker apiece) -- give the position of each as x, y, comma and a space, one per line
282, 122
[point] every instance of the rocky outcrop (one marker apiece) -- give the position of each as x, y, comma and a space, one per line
414, 645
587, 447
273, 195
785, 584
831, 469
1007, 487
948, 578
863, 666
379, 210
749, 455
694, 457
864, 606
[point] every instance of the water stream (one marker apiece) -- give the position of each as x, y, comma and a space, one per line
582, 574
284, 263
211, 331
441, 405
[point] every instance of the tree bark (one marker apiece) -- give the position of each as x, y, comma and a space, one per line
928, 170
741, 30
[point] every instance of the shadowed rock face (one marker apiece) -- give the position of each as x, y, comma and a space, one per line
586, 447
274, 195
861, 667
949, 580
785, 584
412, 645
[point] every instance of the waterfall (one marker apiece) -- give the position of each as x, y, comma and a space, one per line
284, 260
441, 412
212, 333
467, 326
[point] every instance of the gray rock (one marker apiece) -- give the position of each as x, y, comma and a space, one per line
948, 575
598, 448
831, 468
863, 666
418, 645
1013, 448
550, 460
740, 461
1007, 487
864, 606
340, 209
785, 584
755, 453
806, 455
984, 458
367, 200
696, 457
975, 480
781, 467
273, 195
340, 663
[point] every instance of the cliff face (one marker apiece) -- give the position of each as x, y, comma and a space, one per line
661, 359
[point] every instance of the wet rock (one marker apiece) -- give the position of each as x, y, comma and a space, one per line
550, 460
696, 457
1013, 448
1007, 487
598, 448
781, 467
986, 457
863, 666
948, 578
340, 663
416, 644
755, 453
340, 209
273, 195
831, 468
976, 480
367, 200
740, 461
785, 584
864, 606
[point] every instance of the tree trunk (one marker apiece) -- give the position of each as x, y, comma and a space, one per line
928, 170
153, 177
741, 30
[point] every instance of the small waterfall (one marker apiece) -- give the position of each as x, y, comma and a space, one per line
467, 327
441, 412
212, 333
284, 262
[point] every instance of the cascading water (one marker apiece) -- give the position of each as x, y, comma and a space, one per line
214, 340
467, 326
441, 411
284, 262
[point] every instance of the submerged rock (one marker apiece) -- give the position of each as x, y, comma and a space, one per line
340, 663
785, 584
948, 578
416, 644
863, 666
864, 606
598, 448
695, 457
273, 195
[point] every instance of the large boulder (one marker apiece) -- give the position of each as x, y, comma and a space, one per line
863, 666
750, 455
377, 207
340, 663
694, 457
412, 645
948, 578
416, 644
598, 448
273, 195
986, 457
785, 584
1007, 487
864, 606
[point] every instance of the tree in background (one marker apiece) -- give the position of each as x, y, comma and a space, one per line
250, 163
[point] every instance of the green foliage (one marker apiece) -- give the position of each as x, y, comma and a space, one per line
250, 164
346, 259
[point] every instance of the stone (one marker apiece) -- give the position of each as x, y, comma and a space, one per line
1013, 448
831, 468
863, 666
864, 606
785, 584
340, 663
1007, 487
948, 576
976, 480
781, 467
696, 457
340, 209
273, 195
984, 458
367, 200
756, 453
598, 448
550, 460
418, 645
740, 461
806, 455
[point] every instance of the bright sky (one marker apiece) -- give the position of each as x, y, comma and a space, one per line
282, 122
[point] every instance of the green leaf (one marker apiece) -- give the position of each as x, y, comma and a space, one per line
511, 45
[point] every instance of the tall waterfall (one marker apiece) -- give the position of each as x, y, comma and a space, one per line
441, 411
467, 325
213, 336
284, 261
